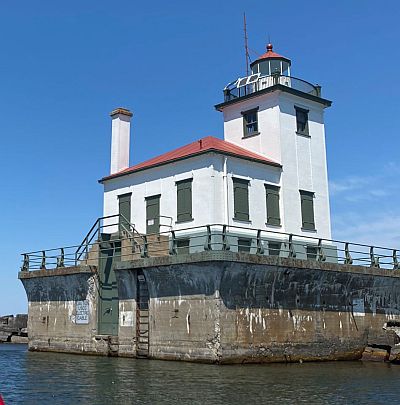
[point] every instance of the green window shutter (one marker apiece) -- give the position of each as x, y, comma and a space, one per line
301, 120
184, 200
153, 214
273, 214
241, 199
307, 210
124, 203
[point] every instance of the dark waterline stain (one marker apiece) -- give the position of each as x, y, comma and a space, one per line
51, 378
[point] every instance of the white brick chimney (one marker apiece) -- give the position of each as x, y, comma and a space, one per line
120, 137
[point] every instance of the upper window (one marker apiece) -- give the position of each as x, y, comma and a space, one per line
241, 199
273, 216
184, 200
307, 210
302, 121
250, 122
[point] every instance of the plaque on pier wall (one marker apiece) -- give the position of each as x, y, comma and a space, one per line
82, 312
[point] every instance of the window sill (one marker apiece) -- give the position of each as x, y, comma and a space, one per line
303, 134
184, 221
250, 135
309, 230
273, 226
243, 221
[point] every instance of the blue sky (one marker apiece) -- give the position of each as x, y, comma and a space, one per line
66, 65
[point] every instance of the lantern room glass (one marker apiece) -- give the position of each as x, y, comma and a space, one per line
271, 66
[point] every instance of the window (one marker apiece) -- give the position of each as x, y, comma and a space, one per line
273, 216
184, 200
302, 121
241, 199
307, 210
250, 122
311, 252
153, 214
124, 209
264, 67
275, 66
274, 248
244, 245
182, 246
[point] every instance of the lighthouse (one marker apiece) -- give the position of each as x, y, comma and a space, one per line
281, 117
268, 172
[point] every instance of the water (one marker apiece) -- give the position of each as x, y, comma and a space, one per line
51, 378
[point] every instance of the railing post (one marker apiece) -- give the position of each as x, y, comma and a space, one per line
225, 243
347, 256
275, 77
60, 260
207, 245
260, 246
321, 255
395, 261
292, 251
43, 264
25, 264
374, 260
87, 248
145, 250
172, 246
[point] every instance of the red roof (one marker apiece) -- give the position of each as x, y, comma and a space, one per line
204, 145
270, 54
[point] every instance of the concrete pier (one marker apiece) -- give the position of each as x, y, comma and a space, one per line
219, 307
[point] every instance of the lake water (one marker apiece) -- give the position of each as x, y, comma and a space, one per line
51, 378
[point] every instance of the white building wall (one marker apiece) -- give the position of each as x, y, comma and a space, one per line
303, 158
268, 124
304, 165
208, 191
161, 180
303, 161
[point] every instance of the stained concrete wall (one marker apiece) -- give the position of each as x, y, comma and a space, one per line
62, 310
228, 308
221, 307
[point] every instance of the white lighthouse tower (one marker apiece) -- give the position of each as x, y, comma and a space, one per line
281, 117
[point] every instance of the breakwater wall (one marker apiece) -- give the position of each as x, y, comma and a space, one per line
219, 307
13, 329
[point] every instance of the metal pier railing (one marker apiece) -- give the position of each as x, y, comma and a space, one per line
133, 245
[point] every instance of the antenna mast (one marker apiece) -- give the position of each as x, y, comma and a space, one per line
246, 47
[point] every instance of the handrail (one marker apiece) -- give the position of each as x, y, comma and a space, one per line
232, 90
216, 237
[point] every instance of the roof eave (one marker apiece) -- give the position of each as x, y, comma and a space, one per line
200, 152
270, 57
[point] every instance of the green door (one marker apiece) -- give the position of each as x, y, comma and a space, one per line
124, 202
153, 214
110, 252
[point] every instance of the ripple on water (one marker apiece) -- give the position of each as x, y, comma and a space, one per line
51, 378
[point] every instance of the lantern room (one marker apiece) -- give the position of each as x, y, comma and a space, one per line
271, 63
